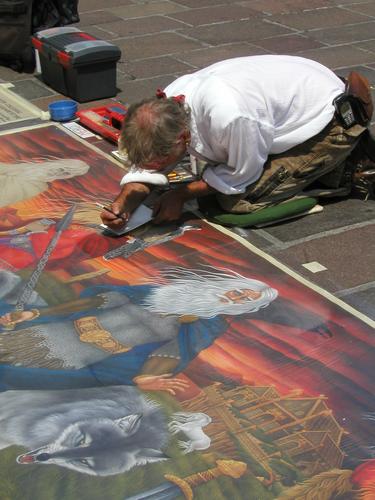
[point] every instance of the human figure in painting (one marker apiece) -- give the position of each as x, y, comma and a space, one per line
134, 334
24, 180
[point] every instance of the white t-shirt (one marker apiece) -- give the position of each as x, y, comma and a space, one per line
244, 109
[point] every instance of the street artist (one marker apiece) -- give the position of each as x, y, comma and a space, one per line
267, 128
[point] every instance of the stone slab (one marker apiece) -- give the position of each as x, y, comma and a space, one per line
204, 57
367, 8
238, 31
146, 9
141, 26
155, 67
8, 75
133, 91
288, 44
320, 18
202, 3
254, 237
209, 15
339, 57
368, 45
159, 44
286, 6
336, 214
31, 89
345, 34
99, 32
92, 5
96, 17
363, 301
348, 257
369, 73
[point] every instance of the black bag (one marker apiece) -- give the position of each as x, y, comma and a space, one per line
51, 13
15, 28
20, 18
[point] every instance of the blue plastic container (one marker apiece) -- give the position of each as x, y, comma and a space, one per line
62, 111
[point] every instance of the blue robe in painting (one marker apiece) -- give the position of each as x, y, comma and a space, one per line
117, 369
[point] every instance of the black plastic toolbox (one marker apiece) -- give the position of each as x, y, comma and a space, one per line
77, 64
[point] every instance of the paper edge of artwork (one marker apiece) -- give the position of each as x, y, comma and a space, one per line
294, 274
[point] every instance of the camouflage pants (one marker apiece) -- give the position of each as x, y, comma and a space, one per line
286, 175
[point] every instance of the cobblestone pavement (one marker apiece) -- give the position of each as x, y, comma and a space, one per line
163, 39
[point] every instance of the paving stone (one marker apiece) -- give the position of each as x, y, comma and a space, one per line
288, 44
152, 45
42, 102
155, 67
148, 9
337, 214
338, 57
96, 17
252, 237
343, 271
204, 57
320, 18
367, 8
31, 89
363, 301
209, 15
345, 34
142, 26
369, 45
344, 2
136, 90
91, 5
8, 75
202, 3
100, 33
239, 31
278, 7
369, 73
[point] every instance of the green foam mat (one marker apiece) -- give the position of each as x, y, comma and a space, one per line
212, 211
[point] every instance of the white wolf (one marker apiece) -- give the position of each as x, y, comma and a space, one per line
98, 431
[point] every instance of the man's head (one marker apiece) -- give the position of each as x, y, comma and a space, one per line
156, 132
207, 294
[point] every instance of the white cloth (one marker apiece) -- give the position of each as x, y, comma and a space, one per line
136, 174
244, 109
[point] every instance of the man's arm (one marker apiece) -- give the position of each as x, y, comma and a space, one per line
131, 196
157, 375
65, 308
168, 207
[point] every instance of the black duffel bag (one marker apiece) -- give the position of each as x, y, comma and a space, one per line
15, 29
20, 18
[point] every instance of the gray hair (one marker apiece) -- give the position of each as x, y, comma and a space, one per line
151, 129
196, 292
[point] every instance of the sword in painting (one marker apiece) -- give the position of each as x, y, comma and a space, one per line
138, 244
176, 486
30, 284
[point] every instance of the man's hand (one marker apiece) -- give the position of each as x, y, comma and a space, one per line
163, 382
130, 197
168, 207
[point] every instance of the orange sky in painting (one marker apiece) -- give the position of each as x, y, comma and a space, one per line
252, 350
